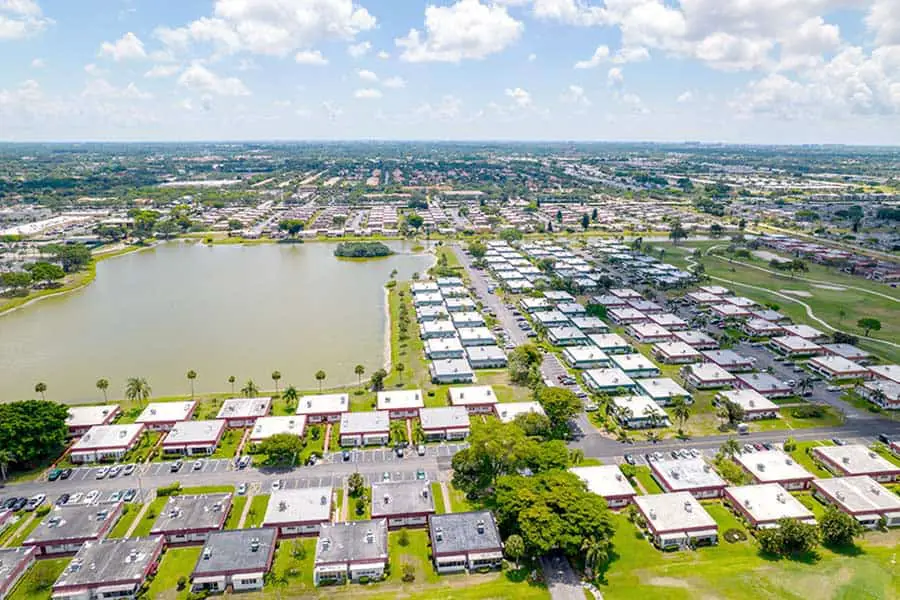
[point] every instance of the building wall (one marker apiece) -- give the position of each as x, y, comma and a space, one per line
242, 583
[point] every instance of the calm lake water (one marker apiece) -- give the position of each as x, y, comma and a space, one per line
222, 310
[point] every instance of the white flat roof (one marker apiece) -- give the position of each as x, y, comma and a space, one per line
837, 364
472, 394
268, 426
639, 405
475, 333
166, 412
795, 343
108, 436
323, 403
582, 353
677, 349
860, 493
772, 465
236, 408
856, 459
605, 480
749, 400
300, 505
365, 422
674, 512
612, 377
891, 372
194, 432
684, 474
400, 399
632, 362
448, 344
661, 387
768, 502
84, 416
608, 340
710, 372
650, 330
804, 331
443, 417
508, 411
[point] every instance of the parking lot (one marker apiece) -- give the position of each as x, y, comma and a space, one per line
337, 479
387, 455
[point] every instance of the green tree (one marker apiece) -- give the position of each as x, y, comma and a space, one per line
510, 235
596, 552
231, 380
681, 410
560, 405
281, 448
5, 459
359, 370
514, 548
415, 221
400, 367
677, 232
144, 223
72, 257
730, 448
103, 385
276, 376
320, 377
869, 324
32, 431
524, 365
585, 221
837, 528
137, 389
377, 380
291, 395
41, 388
17, 280
790, 538
731, 412
250, 389
477, 249
46, 272
716, 230
790, 444
191, 376
356, 485
234, 225
291, 226
534, 424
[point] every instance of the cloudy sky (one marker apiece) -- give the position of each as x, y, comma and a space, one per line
758, 71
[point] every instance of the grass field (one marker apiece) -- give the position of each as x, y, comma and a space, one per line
257, 512
176, 563
415, 553
805, 460
228, 446
458, 500
146, 523
37, 582
237, 509
130, 512
24, 531
643, 476
438, 496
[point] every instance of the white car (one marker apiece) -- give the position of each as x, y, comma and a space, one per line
198, 464
75, 498
242, 489
102, 472
276, 485
92, 496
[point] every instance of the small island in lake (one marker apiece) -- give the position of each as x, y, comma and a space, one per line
362, 250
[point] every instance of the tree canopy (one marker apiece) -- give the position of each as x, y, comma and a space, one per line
560, 405
33, 430
72, 257
281, 448
524, 365
791, 537
838, 528
362, 250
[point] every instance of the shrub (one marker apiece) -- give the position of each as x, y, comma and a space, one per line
182, 581
807, 412
169, 490
403, 538
734, 535
42, 511
409, 573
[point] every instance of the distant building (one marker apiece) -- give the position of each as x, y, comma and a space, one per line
444, 423
663, 390
837, 367
608, 482
774, 466
266, 427
585, 357
635, 365
162, 416
449, 370
794, 346
676, 353
698, 339
110, 569
677, 521
763, 383
465, 541
477, 399
763, 505
706, 376
754, 404
323, 407
486, 357
82, 418
856, 459
400, 404
729, 360
608, 380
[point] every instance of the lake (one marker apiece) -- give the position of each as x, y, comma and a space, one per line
219, 310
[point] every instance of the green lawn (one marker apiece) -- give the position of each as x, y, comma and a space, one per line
416, 552
146, 523
438, 494
885, 452
352, 515
257, 512
643, 475
206, 489
176, 562
458, 500
810, 502
805, 460
293, 566
37, 582
228, 446
24, 531
142, 452
11, 529
237, 509
130, 512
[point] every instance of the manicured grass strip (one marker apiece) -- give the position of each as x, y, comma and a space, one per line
338, 502
146, 524
206, 489
810, 502
438, 496
458, 501
130, 512
410, 547
352, 513
176, 563
10, 530
257, 513
805, 460
292, 568
886, 453
37, 581
643, 475
25, 531
228, 446
237, 509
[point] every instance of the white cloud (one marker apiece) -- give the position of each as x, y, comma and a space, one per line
571, 12
805, 47
520, 97
310, 57
614, 77
359, 50
20, 19
633, 102
685, 97
574, 94
884, 20
161, 71
38, 63
447, 109
383, 55
332, 111
127, 47
601, 54
367, 75
631, 54
93, 70
394, 82
200, 79
97, 87
532, 57
271, 27
367, 94
467, 29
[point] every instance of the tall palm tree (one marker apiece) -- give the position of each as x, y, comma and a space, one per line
320, 377
730, 447
6, 457
41, 388
276, 375
595, 552
359, 370
250, 390
400, 368
192, 375
103, 385
290, 395
681, 410
137, 389
231, 380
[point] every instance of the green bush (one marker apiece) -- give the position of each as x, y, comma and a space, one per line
42, 511
808, 412
172, 489
734, 535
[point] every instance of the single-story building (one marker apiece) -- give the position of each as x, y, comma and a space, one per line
300, 511
848, 351
476, 336
610, 380
466, 319
400, 404
669, 321
106, 442
444, 423
635, 365
861, 497
440, 348
882, 392
402, 503
856, 459
162, 416
715, 290
558, 296
266, 427
352, 550
433, 330
676, 353
761, 328
886, 372
370, 428
194, 437
774, 466
697, 339
477, 399
676, 521
508, 411
424, 287
729, 360
767, 385
740, 301
14, 562
465, 541
706, 376
551, 318
111, 568
792, 345
82, 418
645, 306
837, 367
431, 313
663, 390
608, 482
585, 357
566, 336
639, 412
703, 298
609, 301
66, 528
462, 304
427, 299
692, 475
590, 324
729, 311
769, 315
571, 309
806, 332
444, 282
625, 293
450, 370
649, 333
243, 412
533, 305
191, 518
763, 505
626, 316
455, 291
755, 405
319, 408
611, 343
486, 357
238, 560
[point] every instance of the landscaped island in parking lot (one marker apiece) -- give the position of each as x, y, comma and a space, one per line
362, 250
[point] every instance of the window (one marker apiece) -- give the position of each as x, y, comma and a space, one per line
249, 581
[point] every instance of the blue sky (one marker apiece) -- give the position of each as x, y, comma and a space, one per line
756, 71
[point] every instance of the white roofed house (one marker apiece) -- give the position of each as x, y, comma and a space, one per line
82, 418
761, 328
792, 345
692, 475
486, 357
677, 521
729, 311
430, 330
696, 339
190, 519
14, 563
508, 411
440, 348
639, 412
299, 511
676, 353
476, 336
837, 367
649, 333
194, 437
323, 407
635, 365
729, 360
402, 503
111, 568
400, 404
477, 399
588, 324
106, 442
882, 392
365, 428
464, 541
266, 427
669, 321
704, 376
767, 385
236, 559
610, 380
856, 459
806, 332
755, 405
243, 412
162, 416
663, 390
66, 528
444, 423
763, 505
353, 550
466, 319
886, 372
611, 343
608, 482
774, 466
861, 497
451, 370
627, 316
585, 357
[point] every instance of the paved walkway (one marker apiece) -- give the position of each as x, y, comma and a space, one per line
138, 519
245, 512
445, 493
327, 443
345, 503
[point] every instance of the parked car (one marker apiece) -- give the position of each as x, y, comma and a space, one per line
76, 498
198, 464
833, 388
128, 469
175, 466
244, 462
345, 455
420, 450
748, 448
629, 459
420, 474
398, 451
129, 495
276, 485
385, 476
838, 442
102, 472
54, 474
242, 489
62, 499
66, 473
115, 470
115, 496
20, 504
92, 496
10, 502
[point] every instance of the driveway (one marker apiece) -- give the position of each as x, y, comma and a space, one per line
561, 579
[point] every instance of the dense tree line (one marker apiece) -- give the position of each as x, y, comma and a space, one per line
32, 431
362, 250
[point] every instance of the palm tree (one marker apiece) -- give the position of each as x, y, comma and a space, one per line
595, 552
359, 370
681, 410
400, 368
103, 385
576, 455
290, 395
41, 388
320, 377
250, 390
137, 389
192, 375
730, 447
6, 457
231, 380
276, 375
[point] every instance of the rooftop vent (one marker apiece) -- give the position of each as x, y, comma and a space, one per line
845, 460
781, 498
323, 500
370, 536
282, 506
688, 507
438, 534
326, 544
652, 514
206, 553
387, 498
254, 545
480, 526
